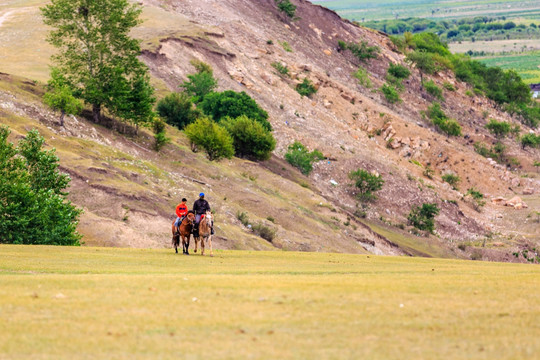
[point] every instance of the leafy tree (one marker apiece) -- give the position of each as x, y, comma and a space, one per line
433, 90
178, 110
300, 157
33, 205
134, 100
210, 136
390, 93
250, 138
231, 104
60, 97
97, 56
286, 7
399, 71
366, 183
423, 217
362, 51
499, 128
451, 179
200, 84
306, 88
530, 140
160, 135
423, 61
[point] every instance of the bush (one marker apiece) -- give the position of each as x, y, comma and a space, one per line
200, 84
423, 218
449, 86
243, 218
362, 51
530, 140
452, 179
499, 128
433, 90
177, 110
214, 139
159, 135
306, 88
390, 93
250, 138
363, 78
300, 157
282, 69
399, 71
448, 126
286, 7
33, 203
366, 183
266, 232
231, 104
424, 62
477, 198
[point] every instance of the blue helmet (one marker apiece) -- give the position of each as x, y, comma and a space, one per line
201, 194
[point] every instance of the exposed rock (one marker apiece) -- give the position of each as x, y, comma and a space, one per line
516, 203
498, 200
528, 191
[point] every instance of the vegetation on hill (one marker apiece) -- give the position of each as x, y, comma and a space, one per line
33, 205
98, 58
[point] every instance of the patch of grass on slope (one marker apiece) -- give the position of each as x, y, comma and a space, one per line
124, 303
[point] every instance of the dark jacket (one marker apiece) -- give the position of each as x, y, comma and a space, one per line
201, 206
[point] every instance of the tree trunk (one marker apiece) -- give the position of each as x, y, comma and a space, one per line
96, 113
62, 118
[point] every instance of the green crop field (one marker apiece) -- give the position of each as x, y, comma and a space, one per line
389, 9
102, 303
526, 64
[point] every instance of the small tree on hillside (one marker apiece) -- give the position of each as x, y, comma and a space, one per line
61, 99
210, 136
250, 138
286, 7
97, 56
423, 61
366, 183
423, 217
300, 157
499, 128
178, 110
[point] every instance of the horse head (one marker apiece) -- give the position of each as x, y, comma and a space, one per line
209, 218
191, 217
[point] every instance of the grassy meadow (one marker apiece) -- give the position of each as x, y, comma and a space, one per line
103, 303
526, 64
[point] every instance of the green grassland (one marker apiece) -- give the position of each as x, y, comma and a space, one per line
526, 64
389, 9
98, 303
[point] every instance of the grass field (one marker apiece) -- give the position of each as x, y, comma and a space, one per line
389, 9
97, 303
526, 64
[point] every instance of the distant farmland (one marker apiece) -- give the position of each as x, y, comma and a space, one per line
388, 9
526, 64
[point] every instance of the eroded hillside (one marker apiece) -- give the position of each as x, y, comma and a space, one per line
129, 191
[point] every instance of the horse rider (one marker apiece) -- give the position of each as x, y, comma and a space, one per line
200, 207
181, 212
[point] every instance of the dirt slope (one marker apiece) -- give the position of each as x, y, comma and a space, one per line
128, 191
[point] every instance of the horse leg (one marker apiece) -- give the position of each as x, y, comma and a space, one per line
210, 243
202, 245
186, 245
196, 239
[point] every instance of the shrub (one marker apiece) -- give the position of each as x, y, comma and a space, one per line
429, 172
214, 139
399, 71
266, 232
200, 84
300, 157
366, 183
423, 217
33, 203
60, 98
433, 90
282, 69
177, 110
390, 93
159, 135
499, 128
363, 78
424, 62
306, 88
477, 198
361, 51
285, 45
243, 217
250, 138
449, 86
452, 179
448, 126
231, 104
530, 140
286, 7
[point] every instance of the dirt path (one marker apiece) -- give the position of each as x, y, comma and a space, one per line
5, 16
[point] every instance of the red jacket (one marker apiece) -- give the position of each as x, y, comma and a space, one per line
181, 210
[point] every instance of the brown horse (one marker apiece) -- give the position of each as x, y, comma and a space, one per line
205, 232
184, 232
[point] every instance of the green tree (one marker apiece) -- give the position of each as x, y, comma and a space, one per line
390, 93
366, 183
178, 110
213, 138
286, 7
423, 217
399, 71
250, 138
134, 101
231, 104
97, 56
199, 85
60, 97
33, 205
499, 128
300, 157
160, 136
423, 61
306, 88
530, 140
